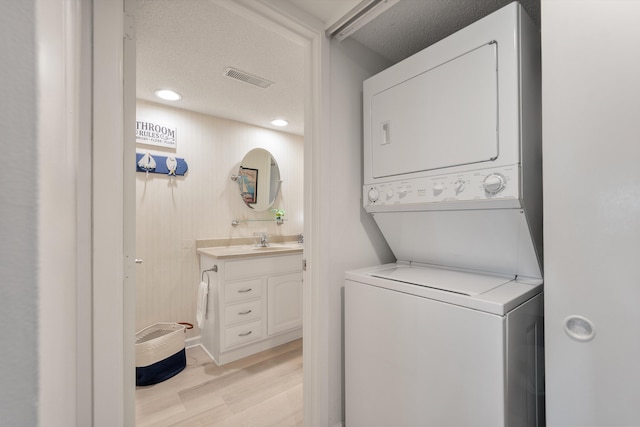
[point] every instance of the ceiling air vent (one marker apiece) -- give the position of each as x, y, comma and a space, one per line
234, 73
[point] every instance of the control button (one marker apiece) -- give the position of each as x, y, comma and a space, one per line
373, 195
493, 183
389, 194
437, 189
459, 186
402, 192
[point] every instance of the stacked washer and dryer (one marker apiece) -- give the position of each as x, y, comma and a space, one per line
452, 333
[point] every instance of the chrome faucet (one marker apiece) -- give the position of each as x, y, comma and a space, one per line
264, 242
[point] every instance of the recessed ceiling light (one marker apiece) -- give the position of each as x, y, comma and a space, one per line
279, 122
168, 95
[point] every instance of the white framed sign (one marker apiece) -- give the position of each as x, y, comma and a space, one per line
154, 133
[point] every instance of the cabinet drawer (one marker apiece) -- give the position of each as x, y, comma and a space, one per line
243, 312
244, 290
262, 266
242, 334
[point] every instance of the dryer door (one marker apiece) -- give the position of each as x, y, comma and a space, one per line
446, 116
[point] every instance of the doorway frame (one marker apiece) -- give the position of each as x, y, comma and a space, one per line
281, 18
112, 326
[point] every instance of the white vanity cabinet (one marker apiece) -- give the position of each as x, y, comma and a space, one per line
254, 303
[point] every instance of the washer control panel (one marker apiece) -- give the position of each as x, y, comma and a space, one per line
486, 184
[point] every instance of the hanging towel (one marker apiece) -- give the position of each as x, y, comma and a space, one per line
203, 291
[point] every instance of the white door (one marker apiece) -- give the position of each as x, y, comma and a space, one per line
590, 70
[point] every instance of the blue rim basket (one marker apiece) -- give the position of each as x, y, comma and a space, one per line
160, 352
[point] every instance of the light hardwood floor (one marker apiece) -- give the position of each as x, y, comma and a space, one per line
259, 391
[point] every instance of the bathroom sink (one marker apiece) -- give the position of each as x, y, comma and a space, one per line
277, 247
247, 251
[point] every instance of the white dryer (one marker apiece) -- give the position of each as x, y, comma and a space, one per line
451, 334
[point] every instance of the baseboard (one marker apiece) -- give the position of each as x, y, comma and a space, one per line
193, 341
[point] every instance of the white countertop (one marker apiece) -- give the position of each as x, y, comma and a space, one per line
246, 251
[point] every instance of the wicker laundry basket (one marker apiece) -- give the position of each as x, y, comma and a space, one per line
160, 352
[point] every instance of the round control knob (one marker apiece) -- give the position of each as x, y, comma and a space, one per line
437, 189
493, 183
373, 195
389, 194
403, 192
459, 186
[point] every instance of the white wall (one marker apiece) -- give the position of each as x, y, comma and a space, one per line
171, 215
18, 213
591, 133
44, 228
349, 236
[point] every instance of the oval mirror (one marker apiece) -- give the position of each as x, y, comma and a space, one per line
259, 179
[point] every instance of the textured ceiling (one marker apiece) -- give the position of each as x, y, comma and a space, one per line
185, 45
411, 25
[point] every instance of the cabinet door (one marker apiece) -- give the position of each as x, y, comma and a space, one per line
284, 303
